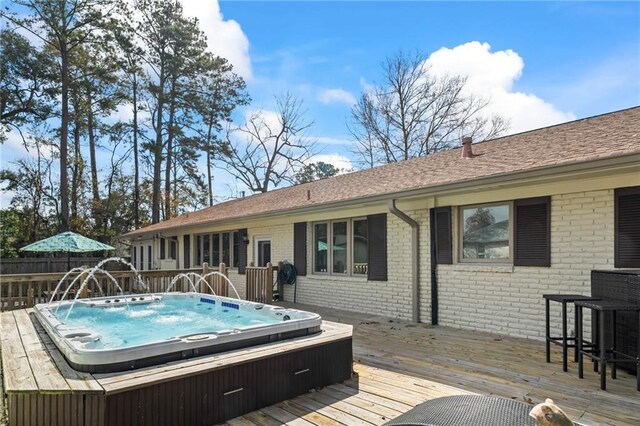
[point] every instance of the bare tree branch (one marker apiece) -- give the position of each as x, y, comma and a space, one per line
414, 113
265, 152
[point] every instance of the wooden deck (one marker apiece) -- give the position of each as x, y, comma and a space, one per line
399, 365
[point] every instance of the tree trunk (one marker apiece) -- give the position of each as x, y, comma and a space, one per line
64, 127
75, 164
136, 170
209, 178
170, 135
157, 157
95, 204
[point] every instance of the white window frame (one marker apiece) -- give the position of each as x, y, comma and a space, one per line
460, 228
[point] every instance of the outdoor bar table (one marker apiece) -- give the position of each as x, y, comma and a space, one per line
604, 307
462, 410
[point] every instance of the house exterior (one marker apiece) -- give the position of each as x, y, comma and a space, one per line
471, 238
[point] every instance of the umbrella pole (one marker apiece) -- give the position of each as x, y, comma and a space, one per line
68, 261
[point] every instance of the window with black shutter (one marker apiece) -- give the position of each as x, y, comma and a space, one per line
442, 227
300, 248
532, 234
627, 227
377, 246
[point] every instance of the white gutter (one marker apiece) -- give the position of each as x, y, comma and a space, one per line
415, 259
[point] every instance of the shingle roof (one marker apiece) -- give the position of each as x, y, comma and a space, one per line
609, 135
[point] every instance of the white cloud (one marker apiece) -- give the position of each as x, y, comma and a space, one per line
327, 140
5, 198
225, 37
492, 75
14, 148
337, 160
328, 96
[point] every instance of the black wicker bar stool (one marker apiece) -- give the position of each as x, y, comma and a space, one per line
602, 354
564, 340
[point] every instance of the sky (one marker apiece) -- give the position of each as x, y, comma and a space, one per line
540, 63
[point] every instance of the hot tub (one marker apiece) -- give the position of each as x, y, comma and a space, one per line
110, 334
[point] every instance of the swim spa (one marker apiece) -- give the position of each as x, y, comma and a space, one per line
109, 334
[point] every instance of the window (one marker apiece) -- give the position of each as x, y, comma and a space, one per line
198, 249
321, 246
215, 252
173, 249
341, 247
236, 246
206, 249
219, 247
360, 246
485, 232
226, 255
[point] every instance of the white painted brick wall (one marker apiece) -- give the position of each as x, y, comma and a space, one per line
508, 300
390, 298
495, 298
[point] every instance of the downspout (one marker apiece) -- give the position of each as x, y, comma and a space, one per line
415, 259
434, 267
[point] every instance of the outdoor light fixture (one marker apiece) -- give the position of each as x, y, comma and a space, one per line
245, 238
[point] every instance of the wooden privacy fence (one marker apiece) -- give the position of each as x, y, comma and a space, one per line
44, 265
260, 283
25, 290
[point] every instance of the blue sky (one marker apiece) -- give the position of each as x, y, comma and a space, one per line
540, 62
552, 61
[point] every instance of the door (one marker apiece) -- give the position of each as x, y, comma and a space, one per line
263, 251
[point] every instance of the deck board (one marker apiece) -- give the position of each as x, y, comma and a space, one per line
397, 364
18, 375
45, 372
400, 364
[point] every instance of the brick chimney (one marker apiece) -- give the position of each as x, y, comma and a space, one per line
466, 147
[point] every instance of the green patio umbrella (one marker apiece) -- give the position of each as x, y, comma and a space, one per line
68, 242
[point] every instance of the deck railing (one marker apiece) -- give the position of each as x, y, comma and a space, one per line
18, 291
260, 283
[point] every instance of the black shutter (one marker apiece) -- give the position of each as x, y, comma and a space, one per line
162, 241
377, 269
187, 251
532, 236
242, 250
627, 227
442, 228
300, 248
